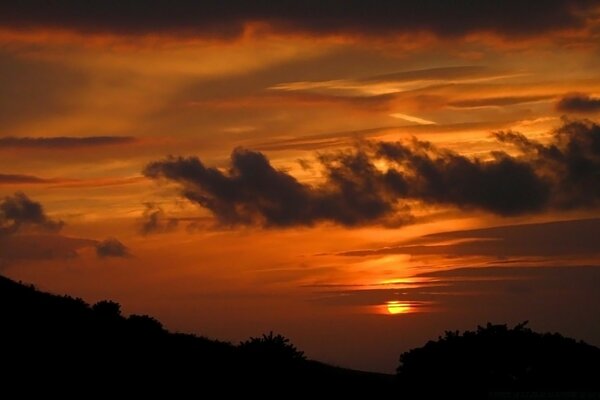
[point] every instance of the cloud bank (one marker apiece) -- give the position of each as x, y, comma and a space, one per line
225, 19
563, 174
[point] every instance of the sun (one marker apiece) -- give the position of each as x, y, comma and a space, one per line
396, 307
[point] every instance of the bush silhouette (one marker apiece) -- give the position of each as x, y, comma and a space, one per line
271, 349
107, 309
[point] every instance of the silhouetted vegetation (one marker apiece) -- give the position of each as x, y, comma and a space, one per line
496, 358
58, 344
272, 349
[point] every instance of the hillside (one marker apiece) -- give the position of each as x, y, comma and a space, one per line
60, 343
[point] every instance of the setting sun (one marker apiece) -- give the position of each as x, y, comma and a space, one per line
396, 307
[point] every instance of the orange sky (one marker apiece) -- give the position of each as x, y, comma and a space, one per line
84, 111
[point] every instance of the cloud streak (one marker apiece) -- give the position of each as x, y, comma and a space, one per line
11, 179
63, 142
228, 19
563, 174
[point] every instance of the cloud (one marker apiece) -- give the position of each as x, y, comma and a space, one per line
255, 192
18, 212
578, 103
154, 220
570, 162
355, 191
17, 178
111, 247
228, 19
63, 142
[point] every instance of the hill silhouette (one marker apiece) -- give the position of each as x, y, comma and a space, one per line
59, 344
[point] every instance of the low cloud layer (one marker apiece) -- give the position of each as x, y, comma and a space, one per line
562, 174
228, 19
579, 103
63, 142
18, 212
28, 233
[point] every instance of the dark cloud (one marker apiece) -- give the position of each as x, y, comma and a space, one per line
561, 174
17, 178
578, 103
111, 247
227, 18
63, 142
154, 220
570, 162
255, 192
19, 212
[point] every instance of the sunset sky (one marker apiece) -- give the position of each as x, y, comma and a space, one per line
357, 176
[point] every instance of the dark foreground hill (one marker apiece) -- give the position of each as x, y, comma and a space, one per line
57, 344
60, 344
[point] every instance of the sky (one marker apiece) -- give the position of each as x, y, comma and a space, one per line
357, 176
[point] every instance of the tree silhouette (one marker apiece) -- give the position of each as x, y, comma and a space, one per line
498, 358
